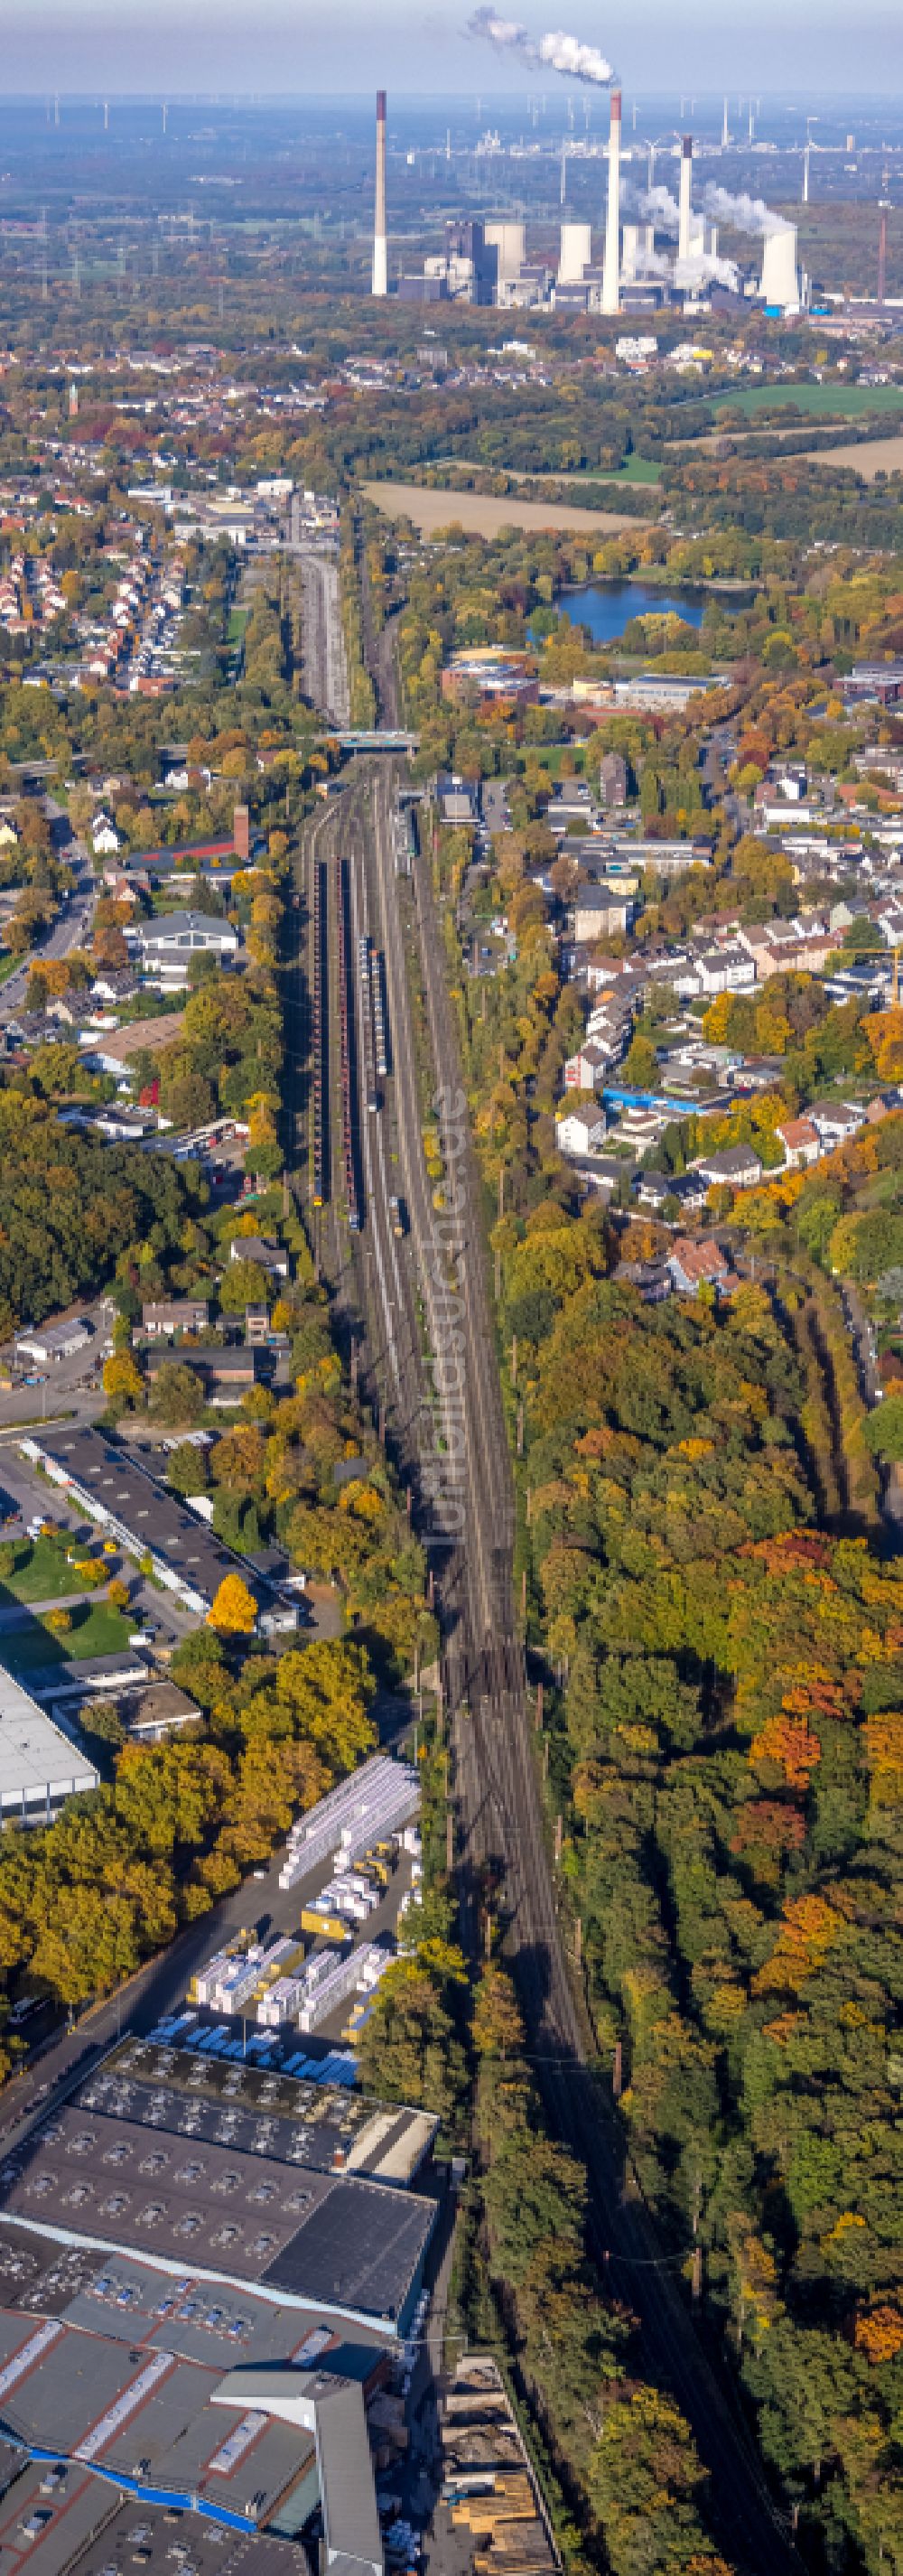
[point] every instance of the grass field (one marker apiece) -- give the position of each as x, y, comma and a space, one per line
638, 469
852, 402
95, 1630
41, 1572
482, 517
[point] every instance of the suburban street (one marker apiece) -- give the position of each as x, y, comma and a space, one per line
72, 927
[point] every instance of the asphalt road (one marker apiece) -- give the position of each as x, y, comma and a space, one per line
72, 927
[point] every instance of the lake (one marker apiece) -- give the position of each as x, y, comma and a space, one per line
606, 607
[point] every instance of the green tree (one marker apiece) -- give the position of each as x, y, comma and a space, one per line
176, 1394
243, 1284
122, 1379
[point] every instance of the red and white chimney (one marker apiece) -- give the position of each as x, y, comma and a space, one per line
380, 257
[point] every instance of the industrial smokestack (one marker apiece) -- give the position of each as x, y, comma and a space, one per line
380, 258
686, 182
884, 209
611, 269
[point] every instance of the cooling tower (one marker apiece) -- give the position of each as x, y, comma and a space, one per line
631, 239
780, 283
509, 241
576, 253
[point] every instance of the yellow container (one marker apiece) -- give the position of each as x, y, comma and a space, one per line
329, 1926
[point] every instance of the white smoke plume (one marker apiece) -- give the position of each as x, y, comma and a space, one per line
661, 209
577, 61
649, 263
746, 214
556, 52
703, 269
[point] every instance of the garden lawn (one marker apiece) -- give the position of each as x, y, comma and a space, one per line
96, 1630
41, 1572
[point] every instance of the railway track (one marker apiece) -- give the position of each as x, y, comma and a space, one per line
501, 1839
323, 663
391, 1289
369, 1268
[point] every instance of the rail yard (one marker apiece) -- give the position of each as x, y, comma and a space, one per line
416, 1313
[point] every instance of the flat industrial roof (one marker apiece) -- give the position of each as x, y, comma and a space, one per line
227, 2101
124, 2296
152, 1515
97, 2404
209, 2549
36, 1759
237, 2193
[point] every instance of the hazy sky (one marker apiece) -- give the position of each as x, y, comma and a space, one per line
168, 46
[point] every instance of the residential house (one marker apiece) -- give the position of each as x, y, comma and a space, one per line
695, 1262
603, 1173
835, 1122
613, 779
268, 1256
167, 945
257, 1326
688, 1188
105, 840
803, 947
599, 972
164, 1317
115, 984
162, 1709
652, 1279
601, 912
801, 1143
586, 1071
581, 1133
725, 970
738, 1168
653, 1188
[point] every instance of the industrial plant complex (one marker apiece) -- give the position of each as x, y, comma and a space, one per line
666, 254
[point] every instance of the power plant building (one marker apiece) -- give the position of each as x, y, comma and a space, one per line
487, 262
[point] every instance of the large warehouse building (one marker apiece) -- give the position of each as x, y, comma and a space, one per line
39, 1764
207, 2275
